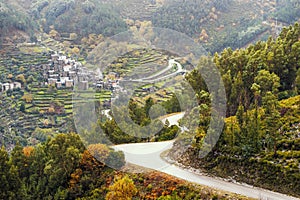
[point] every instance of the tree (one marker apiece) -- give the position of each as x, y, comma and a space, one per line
122, 189
99, 151
21, 78
22, 107
148, 105
73, 36
27, 98
63, 157
169, 197
30, 79
4, 172
10, 76
273, 123
53, 34
76, 50
297, 81
21, 160
268, 82
11, 184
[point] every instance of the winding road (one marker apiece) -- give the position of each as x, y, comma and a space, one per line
157, 76
149, 155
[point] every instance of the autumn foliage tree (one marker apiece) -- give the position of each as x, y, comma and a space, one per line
122, 189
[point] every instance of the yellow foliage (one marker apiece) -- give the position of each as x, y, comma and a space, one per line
10, 76
51, 110
122, 189
75, 50
53, 33
28, 150
46, 122
21, 78
73, 36
27, 98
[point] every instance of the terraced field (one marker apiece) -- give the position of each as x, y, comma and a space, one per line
34, 112
45, 108
143, 64
136, 9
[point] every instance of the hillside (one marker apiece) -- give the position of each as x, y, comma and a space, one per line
54, 146
14, 22
63, 16
214, 24
62, 168
220, 24
261, 159
260, 142
32, 18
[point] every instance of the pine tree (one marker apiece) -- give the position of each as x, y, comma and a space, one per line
272, 121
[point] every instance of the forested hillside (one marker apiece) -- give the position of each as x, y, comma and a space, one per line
62, 168
14, 21
288, 11
215, 24
221, 24
260, 142
74, 16
60, 17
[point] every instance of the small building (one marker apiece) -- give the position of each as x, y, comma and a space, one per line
11, 86
64, 74
80, 78
67, 68
58, 84
114, 84
54, 57
63, 79
5, 86
100, 84
54, 76
17, 85
72, 74
51, 72
60, 61
69, 83
52, 81
60, 68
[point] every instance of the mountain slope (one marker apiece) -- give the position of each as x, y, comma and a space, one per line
14, 22
75, 16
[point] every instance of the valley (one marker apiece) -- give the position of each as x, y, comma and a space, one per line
202, 96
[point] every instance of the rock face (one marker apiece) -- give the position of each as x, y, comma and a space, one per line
181, 153
188, 157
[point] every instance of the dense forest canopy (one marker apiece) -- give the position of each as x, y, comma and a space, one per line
288, 10
215, 24
11, 20
82, 18
261, 132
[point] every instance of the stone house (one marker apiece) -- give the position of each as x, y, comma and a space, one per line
52, 81
9, 86
69, 83
58, 84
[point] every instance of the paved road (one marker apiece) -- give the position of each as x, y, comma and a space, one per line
148, 155
156, 77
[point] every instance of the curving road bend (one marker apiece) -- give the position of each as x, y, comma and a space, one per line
156, 77
148, 155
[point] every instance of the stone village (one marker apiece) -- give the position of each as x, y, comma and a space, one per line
63, 72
